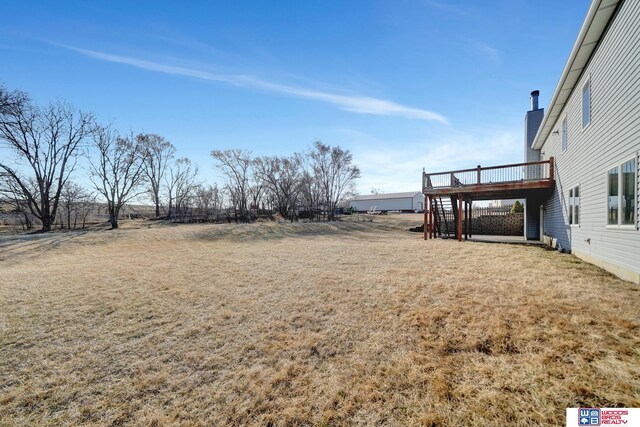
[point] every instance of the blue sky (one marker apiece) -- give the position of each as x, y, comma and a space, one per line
402, 84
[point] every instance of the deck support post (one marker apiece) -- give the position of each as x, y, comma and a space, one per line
427, 209
431, 218
470, 217
465, 225
459, 233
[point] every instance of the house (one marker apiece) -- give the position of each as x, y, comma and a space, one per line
412, 201
506, 202
580, 174
592, 129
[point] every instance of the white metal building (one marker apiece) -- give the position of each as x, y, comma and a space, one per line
411, 201
505, 202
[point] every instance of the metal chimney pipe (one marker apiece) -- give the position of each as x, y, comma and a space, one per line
534, 100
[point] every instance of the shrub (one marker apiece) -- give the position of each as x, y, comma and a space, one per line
517, 207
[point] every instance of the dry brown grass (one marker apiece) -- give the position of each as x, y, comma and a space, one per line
306, 324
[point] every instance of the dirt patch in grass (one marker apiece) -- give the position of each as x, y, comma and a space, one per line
306, 324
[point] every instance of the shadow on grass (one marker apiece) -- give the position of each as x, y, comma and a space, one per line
13, 246
17, 245
282, 230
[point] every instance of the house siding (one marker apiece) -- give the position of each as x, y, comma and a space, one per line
612, 137
531, 124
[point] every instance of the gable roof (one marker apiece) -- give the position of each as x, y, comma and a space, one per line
383, 196
593, 28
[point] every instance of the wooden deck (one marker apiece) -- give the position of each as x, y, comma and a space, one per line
463, 187
493, 182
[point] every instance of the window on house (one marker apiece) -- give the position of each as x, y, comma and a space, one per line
574, 205
621, 193
628, 194
564, 134
586, 104
612, 197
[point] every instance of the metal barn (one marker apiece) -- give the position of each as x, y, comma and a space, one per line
412, 201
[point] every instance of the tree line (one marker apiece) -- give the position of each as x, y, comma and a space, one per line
310, 184
47, 143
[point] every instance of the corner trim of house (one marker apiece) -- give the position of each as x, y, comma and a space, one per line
621, 272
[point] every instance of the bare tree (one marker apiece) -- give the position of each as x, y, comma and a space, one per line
310, 191
208, 200
68, 198
46, 142
158, 155
84, 207
7, 98
118, 171
257, 188
12, 196
236, 166
181, 184
76, 203
336, 173
281, 176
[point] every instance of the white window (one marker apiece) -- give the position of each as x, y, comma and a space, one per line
564, 134
622, 182
574, 205
586, 104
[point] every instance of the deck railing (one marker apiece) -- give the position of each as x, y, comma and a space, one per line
504, 174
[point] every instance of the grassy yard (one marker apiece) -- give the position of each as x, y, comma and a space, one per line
306, 324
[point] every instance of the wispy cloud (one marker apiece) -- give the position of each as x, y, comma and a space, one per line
355, 103
484, 49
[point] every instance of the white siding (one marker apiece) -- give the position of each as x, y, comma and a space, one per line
418, 202
390, 202
612, 137
405, 203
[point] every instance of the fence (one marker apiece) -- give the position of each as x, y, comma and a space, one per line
478, 211
493, 221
